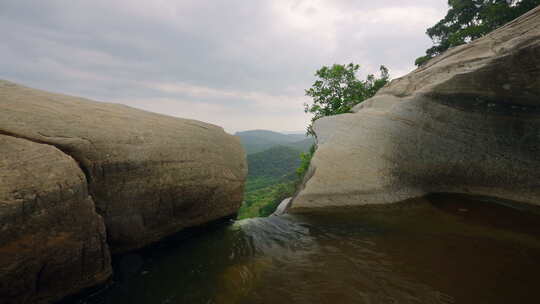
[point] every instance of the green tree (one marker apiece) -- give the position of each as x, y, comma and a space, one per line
337, 90
281, 192
305, 161
468, 20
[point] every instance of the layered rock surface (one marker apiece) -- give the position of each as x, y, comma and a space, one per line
52, 242
80, 179
466, 122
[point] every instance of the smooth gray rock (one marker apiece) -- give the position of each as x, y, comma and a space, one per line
149, 175
466, 122
283, 206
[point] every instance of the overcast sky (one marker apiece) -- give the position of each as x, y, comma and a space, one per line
240, 64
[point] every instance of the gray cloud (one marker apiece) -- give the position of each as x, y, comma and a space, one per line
238, 64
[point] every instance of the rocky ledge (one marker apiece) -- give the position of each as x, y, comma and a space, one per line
81, 179
466, 122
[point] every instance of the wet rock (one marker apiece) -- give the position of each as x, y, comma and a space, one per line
283, 206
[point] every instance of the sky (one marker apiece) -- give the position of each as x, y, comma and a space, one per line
239, 64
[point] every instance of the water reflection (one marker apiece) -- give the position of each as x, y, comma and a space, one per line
442, 250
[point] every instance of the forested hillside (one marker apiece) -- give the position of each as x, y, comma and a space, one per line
271, 178
275, 162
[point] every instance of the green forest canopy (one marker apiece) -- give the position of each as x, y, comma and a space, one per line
337, 90
271, 178
468, 20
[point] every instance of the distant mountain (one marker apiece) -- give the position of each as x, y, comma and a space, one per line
294, 132
271, 178
260, 140
302, 145
276, 162
272, 161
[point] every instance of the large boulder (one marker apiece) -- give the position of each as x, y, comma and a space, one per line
149, 175
466, 122
52, 241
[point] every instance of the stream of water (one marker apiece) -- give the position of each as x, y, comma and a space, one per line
444, 249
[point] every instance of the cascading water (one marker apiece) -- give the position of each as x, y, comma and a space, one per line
443, 250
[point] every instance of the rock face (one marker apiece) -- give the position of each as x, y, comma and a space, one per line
283, 206
150, 175
80, 179
52, 242
466, 122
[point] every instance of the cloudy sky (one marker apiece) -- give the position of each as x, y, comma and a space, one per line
240, 64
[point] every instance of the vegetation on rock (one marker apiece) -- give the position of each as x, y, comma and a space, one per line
337, 90
468, 20
271, 173
305, 161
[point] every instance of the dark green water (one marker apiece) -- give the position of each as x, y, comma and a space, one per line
441, 250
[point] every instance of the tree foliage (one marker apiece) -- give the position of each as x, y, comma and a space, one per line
337, 90
305, 161
264, 201
276, 162
271, 175
271, 178
468, 20
282, 191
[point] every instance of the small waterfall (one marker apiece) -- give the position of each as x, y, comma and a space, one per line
451, 250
